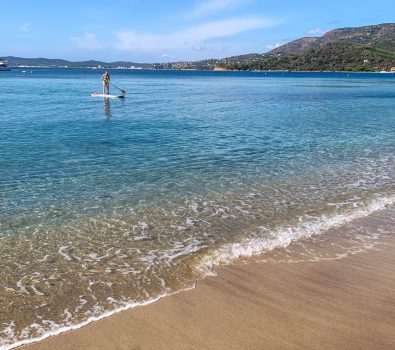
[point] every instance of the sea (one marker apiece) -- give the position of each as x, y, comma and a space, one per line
108, 204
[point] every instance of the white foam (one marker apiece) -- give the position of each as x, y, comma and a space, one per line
242, 210
83, 302
191, 221
182, 249
44, 258
143, 225
282, 237
140, 238
37, 292
194, 207
178, 227
9, 330
61, 329
65, 255
95, 257
68, 315
22, 289
362, 244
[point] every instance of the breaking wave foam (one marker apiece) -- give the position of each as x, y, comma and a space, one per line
283, 237
61, 329
226, 253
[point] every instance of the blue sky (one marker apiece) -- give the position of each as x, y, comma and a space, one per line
160, 31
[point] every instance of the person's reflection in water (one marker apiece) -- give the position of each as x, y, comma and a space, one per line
107, 108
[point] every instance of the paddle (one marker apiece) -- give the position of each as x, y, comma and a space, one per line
123, 91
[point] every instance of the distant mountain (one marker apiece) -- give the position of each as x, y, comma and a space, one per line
368, 48
49, 62
19, 61
381, 36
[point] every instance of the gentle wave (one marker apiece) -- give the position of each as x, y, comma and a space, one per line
281, 237
107, 206
62, 329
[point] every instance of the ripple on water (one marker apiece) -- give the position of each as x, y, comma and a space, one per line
108, 205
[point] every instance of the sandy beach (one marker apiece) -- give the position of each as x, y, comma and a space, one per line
286, 299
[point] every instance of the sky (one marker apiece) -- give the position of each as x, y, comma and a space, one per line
149, 31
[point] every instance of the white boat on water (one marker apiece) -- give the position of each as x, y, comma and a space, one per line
3, 64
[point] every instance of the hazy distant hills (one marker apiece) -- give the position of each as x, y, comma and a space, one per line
50, 62
381, 36
368, 48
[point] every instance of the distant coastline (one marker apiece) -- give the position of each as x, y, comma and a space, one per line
200, 70
363, 49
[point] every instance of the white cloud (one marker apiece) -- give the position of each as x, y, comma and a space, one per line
271, 47
200, 48
210, 7
190, 37
24, 28
316, 31
88, 41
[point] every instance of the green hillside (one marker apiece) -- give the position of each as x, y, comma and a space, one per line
330, 57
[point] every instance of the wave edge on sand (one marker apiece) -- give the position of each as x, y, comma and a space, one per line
281, 238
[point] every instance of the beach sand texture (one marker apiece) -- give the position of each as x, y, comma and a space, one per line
285, 299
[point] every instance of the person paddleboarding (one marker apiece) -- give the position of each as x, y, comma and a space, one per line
106, 82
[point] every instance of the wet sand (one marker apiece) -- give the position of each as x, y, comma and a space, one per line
268, 303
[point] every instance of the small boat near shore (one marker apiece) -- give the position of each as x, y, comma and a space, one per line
4, 65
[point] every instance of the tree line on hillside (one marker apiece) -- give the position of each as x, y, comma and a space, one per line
331, 57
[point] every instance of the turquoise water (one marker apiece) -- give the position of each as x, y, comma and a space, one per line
109, 203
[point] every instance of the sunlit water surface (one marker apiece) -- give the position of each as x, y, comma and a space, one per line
106, 204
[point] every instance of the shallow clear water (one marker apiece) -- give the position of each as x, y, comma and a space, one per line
109, 203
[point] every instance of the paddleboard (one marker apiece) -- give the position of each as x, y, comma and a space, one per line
107, 95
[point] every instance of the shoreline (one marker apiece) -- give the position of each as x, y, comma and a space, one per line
329, 303
205, 70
